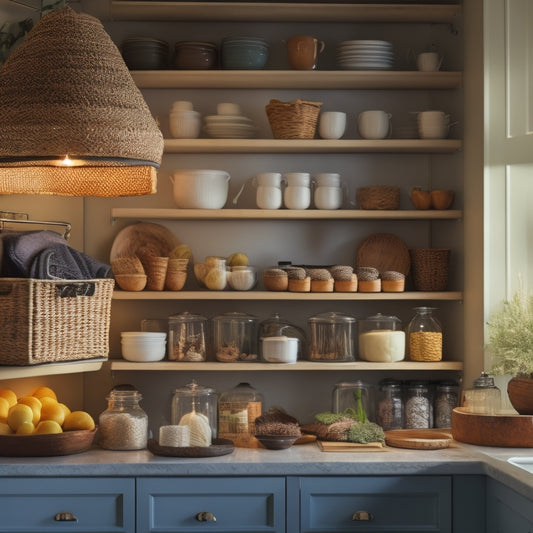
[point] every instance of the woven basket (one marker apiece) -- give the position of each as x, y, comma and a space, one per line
430, 268
46, 321
293, 120
382, 197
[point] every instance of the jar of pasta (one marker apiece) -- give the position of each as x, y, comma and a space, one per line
424, 336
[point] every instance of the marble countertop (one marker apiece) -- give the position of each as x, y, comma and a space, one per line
300, 460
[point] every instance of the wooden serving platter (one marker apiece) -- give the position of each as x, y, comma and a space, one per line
418, 439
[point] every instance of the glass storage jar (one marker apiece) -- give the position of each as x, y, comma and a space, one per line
331, 337
237, 410
354, 396
446, 400
276, 326
484, 398
381, 339
123, 425
187, 337
235, 337
418, 410
424, 336
390, 406
196, 400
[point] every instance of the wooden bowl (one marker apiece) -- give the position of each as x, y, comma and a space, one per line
131, 282
276, 442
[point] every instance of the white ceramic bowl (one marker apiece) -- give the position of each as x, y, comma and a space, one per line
185, 124
143, 346
200, 188
227, 108
280, 349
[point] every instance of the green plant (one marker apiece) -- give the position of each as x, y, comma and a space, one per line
510, 336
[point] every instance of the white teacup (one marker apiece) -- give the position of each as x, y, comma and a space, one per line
433, 124
428, 61
332, 124
374, 124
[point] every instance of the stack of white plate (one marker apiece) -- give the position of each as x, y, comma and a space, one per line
229, 125
365, 55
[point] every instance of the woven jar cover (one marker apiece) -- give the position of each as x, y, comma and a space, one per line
66, 90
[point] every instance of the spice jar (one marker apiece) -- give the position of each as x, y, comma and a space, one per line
484, 398
123, 425
235, 337
354, 396
446, 400
424, 335
196, 406
331, 337
381, 339
187, 337
237, 410
390, 408
418, 411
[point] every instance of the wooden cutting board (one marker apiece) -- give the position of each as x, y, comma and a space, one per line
335, 446
418, 439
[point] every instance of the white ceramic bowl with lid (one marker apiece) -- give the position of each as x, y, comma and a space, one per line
200, 188
143, 346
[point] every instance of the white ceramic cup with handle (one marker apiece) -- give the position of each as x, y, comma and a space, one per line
433, 124
374, 124
332, 124
428, 61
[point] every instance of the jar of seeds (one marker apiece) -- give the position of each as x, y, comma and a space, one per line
123, 425
424, 336
331, 337
418, 407
446, 400
390, 408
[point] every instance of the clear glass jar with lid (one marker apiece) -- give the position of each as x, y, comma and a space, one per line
418, 408
354, 396
446, 400
197, 401
390, 406
235, 337
484, 398
424, 336
187, 337
123, 425
277, 326
381, 339
331, 337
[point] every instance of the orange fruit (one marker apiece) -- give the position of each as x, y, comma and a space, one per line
5, 429
65, 408
4, 409
9, 395
78, 420
48, 426
41, 391
26, 428
35, 405
53, 411
18, 414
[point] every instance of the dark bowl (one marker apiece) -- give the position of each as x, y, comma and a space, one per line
276, 442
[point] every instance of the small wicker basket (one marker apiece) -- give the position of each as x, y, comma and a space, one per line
430, 268
293, 120
382, 197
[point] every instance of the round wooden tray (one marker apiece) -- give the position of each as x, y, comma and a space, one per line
384, 251
46, 445
218, 447
418, 439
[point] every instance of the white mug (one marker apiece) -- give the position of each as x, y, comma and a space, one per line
428, 61
374, 124
433, 124
332, 124
268, 197
297, 197
328, 197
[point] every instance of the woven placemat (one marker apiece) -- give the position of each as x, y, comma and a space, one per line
385, 252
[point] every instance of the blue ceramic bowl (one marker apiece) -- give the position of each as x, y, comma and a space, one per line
243, 55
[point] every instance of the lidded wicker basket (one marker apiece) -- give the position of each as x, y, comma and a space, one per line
293, 120
430, 268
382, 197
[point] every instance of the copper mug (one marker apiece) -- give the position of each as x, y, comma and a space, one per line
303, 51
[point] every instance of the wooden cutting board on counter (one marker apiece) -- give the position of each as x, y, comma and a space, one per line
419, 439
336, 446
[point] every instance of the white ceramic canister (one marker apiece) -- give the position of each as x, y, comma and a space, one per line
268, 190
280, 349
297, 194
328, 192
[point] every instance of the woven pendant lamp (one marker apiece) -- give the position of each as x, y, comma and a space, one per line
73, 121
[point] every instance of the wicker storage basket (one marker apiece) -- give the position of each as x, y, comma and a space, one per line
378, 197
430, 268
293, 120
46, 321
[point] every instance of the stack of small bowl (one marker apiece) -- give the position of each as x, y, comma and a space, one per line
244, 53
195, 55
184, 121
129, 273
145, 53
143, 346
229, 123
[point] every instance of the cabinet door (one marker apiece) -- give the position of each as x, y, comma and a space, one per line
95, 505
224, 504
507, 511
392, 504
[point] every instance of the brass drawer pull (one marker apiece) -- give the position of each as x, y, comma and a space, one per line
206, 516
363, 516
65, 517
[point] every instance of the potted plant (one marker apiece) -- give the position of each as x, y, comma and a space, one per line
510, 344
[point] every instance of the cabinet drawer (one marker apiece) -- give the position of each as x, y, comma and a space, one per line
98, 505
421, 504
238, 504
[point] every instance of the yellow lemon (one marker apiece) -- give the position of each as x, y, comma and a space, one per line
35, 405
78, 420
53, 411
9, 395
5, 429
18, 414
26, 428
42, 391
65, 408
4, 409
48, 426
237, 259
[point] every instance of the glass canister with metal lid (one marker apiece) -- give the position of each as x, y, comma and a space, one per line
331, 337
235, 337
187, 337
381, 339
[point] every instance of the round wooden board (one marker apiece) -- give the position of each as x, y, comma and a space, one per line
218, 447
418, 439
385, 252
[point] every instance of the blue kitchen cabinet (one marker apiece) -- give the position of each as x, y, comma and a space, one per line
89, 505
507, 511
217, 504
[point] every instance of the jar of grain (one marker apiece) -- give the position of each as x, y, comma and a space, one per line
187, 337
418, 410
390, 406
123, 425
446, 400
235, 337
424, 336
331, 337
381, 339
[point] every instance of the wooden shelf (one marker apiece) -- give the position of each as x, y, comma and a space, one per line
48, 369
304, 366
294, 79
207, 295
283, 214
316, 146
278, 12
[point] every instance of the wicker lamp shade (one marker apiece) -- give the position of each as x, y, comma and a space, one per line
73, 121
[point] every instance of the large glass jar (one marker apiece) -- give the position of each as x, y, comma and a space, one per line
424, 336
418, 409
331, 337
200, 403
123, 425
381, 339
276, 327
354, 396
187, 337
235, 337
446, 400
237, 410
484, 398
390, 407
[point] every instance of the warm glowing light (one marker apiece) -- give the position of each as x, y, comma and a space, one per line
67, 162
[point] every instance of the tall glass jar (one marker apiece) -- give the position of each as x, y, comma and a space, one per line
354, 396
331, 337
390, 407
418, 411
187, 337
123, 425
235, 337
424, 336
446, 400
